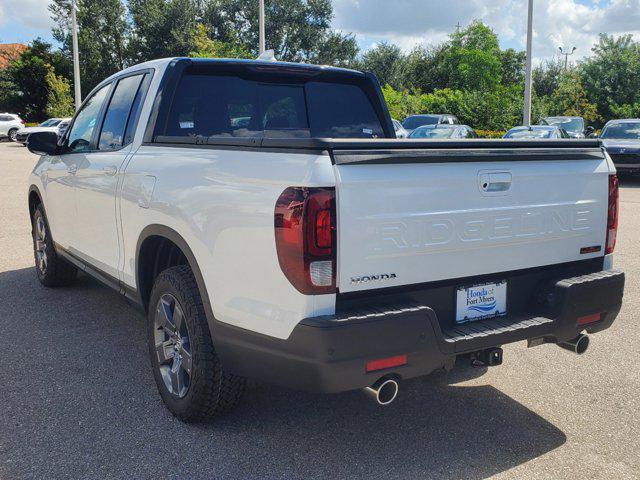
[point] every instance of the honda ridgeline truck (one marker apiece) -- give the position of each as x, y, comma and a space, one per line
270, 225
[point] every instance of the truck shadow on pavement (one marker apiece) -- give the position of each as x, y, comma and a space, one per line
79, 401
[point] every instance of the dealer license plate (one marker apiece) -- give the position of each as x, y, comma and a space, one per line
481, 301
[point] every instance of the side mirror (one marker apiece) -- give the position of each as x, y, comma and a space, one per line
43, 143
589, 131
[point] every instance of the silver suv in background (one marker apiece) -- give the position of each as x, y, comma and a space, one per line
10, 123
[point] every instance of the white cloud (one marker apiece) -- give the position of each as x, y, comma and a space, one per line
33, 14
557, 23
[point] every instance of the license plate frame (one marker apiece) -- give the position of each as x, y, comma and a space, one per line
481, 301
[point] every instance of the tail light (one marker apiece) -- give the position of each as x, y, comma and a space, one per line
305, 228
612, 216
23, 122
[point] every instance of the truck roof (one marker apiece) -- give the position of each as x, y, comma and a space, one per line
161, 62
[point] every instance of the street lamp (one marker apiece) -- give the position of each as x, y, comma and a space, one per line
528, 67
566, 55
261, 28
76, 60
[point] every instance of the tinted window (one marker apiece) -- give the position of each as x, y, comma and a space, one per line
5, 118
229, 106
569, 124
85, 122
536, 133
627, 130
52, 122
433, 133
415, 122
136, 108
115, 120
341, 111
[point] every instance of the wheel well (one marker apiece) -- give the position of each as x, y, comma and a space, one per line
157, 253
34, 201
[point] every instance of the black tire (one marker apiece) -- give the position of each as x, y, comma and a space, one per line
210, 390
53, 271
12, 134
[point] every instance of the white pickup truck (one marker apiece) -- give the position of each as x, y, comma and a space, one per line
271, 226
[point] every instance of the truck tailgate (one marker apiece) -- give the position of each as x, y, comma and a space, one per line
410, 216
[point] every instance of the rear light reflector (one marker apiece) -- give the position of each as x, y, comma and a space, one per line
612, 215
589, 319
383, 363
305, 229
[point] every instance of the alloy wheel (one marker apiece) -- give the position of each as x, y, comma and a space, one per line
41, 244
172, 346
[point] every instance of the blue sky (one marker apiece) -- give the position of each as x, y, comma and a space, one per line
411, 22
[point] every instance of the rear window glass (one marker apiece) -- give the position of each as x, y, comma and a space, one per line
230, 106
536, 133
415, 122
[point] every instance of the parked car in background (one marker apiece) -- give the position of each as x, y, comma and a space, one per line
536, 131
621, 139
62, 127
414, 121
399, 129
50, 125
574, 126
443, 131
10, 123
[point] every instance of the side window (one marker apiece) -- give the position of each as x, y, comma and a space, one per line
112, 135
85, 122
5, 118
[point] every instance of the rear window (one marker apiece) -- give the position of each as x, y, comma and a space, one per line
536, 133
231, 106
415, 122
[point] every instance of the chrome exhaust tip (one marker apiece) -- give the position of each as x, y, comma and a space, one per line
384, 391
577, 345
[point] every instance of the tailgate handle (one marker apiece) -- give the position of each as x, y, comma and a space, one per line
495, 182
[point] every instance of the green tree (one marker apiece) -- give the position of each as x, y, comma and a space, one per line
387, 62
547, 77
626, 110
163, 28
26, 79
512, 66
473, 59
401, 103
103, 35
60, 102
206, 47
297, 30
425, 68
570, 99
610, 77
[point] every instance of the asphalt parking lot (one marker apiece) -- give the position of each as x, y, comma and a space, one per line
79, 401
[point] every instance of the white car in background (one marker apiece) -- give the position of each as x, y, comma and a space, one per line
10, 123
399, 129
50, 125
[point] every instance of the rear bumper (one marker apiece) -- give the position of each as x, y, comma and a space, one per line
328, 354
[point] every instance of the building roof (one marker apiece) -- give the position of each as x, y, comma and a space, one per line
10, 51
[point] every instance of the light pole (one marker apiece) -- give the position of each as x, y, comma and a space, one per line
527, 81
76, 60
261, 27
566, 56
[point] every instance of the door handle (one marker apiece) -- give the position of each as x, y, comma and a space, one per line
72, 169
110, 170
495, 182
